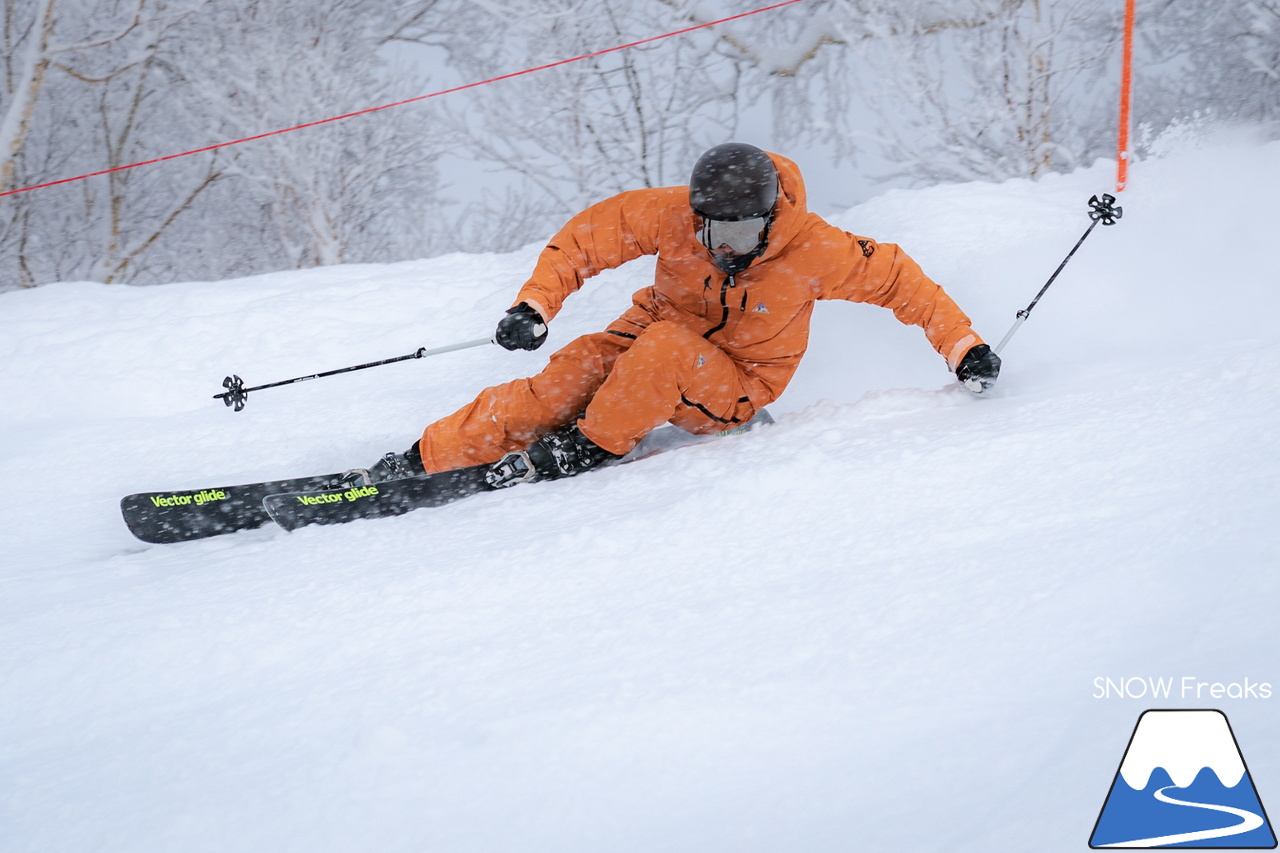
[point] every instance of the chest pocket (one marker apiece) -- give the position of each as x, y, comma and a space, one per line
761, 313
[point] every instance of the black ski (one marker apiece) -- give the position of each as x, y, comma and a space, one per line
164, 517
396, 497
179, 516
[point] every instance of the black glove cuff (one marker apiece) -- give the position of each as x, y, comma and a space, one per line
980, 364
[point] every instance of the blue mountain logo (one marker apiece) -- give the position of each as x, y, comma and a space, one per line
1183, 783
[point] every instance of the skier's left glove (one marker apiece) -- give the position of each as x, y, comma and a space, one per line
979, 368
522, 328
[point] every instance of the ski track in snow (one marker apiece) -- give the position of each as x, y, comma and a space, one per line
872, 625
1248, 822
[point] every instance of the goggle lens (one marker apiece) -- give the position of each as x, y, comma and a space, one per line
741, 236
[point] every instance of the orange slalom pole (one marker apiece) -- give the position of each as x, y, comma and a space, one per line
1126, 86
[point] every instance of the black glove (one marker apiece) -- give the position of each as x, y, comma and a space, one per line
979, 368
522, 328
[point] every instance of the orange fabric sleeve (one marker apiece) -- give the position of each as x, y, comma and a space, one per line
882, 274
605, 235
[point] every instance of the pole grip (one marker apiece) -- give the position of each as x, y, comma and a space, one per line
1017, 324
423, 352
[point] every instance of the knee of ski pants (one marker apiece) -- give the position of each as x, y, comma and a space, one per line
671, 373
713, 396
513, 415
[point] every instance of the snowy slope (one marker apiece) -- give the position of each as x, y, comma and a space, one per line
873, 626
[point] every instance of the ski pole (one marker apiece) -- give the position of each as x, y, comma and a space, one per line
1100, 210
236, 394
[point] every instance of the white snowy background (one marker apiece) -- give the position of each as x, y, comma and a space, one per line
873, 626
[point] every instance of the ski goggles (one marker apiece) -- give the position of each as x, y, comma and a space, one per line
741, 236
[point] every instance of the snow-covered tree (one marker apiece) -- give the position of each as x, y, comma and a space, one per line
976, 89
942, 89
130, 214
1222, 59
46, 45
357, 189
37, 36
580, 132
129, 83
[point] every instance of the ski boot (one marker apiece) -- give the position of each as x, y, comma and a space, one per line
563, 453
392, 466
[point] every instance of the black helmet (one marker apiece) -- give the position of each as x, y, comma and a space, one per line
732, 182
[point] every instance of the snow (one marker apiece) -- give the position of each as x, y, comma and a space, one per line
1183, 743
875, 625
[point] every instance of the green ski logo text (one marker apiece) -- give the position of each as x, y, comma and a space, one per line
336, 498
199, 498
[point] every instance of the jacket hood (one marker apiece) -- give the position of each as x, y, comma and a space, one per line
792, 210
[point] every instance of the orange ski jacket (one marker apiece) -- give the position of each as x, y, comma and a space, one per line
760, 317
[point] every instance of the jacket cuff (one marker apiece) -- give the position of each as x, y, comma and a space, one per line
959, 349
536, 306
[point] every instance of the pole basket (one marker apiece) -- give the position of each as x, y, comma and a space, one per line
1104, 210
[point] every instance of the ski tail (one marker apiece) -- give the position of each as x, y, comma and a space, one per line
166, 517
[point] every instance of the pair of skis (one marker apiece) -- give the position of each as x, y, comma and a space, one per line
164, 517
179, 516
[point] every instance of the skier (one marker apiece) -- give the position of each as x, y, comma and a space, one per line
714, 339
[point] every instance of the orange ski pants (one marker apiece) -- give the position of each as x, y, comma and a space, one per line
626, 386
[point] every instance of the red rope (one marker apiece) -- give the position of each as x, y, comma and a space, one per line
218, 145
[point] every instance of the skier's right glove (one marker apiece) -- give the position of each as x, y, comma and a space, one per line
522, 328
979, 368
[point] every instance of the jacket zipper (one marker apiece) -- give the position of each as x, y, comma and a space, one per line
724, 307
